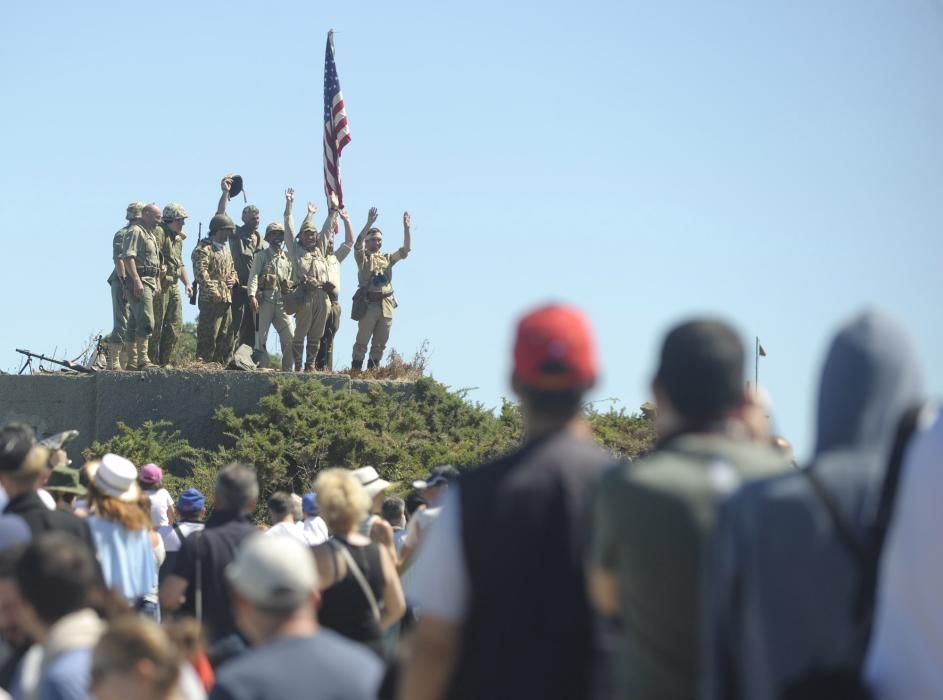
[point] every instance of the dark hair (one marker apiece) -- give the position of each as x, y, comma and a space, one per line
236, 487
559, 404
16, 439
393, 509
280, 504
701, 369
56, 575
414, 500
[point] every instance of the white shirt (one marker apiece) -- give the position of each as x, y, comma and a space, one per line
46, 498
161, 502
438, 580
287, 529
314, 530
172, 540
907, 646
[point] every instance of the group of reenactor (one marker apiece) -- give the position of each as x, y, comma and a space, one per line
245, 283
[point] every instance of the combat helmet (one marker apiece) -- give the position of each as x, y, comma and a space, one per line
134, 211
173, 211
274, 228
221, 221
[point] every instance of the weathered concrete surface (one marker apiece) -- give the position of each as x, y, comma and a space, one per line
93, 404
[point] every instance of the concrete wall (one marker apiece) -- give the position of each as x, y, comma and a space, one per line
93, 404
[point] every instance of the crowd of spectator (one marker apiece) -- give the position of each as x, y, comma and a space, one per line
713, 567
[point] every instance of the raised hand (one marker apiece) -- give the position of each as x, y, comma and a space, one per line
226, 184
372, 216
289, 195
343, 213
407, 220
333, 201
312, 209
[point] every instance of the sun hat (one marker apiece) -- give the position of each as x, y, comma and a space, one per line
273, 573
370, 480
554, 349
65, 480
439, 475
115, 476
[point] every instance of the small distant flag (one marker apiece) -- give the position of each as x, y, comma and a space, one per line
762, 350
336, 130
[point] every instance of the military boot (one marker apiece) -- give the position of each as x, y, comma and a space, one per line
356, 366
144, 361
372, 364
113, 358
125, 357
131, 355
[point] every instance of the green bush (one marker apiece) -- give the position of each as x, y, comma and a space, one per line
305, 426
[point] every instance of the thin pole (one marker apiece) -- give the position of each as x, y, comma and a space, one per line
756, 364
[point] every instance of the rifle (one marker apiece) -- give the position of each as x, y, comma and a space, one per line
68, 364
196, 283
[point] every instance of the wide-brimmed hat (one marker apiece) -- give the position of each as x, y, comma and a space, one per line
115, 476
371, 481
65, 480
438, 476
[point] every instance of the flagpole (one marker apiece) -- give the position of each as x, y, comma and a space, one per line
756, 364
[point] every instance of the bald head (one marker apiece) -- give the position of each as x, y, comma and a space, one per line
151, 216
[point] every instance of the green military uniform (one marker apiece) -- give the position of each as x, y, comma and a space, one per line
243, 246
270, 278
332, 260
375, 276
212, 267
141, 245
119, 300
310, 269
168, 307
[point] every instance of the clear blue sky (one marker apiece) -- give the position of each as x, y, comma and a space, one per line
780, 165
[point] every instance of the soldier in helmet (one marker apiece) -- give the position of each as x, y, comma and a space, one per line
213, 270
375, 277
270, 278
119, 344
244, 243
168, 308
333, 259
310, 270
141, 257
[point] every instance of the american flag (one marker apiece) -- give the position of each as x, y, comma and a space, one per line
336, 131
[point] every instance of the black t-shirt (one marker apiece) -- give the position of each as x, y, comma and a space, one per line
214, 548
324, 666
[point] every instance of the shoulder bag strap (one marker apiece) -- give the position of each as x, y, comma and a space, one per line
361, 581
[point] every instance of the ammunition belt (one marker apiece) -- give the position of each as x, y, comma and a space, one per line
145, 271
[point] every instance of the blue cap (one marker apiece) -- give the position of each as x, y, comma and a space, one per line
309, 504
191, 501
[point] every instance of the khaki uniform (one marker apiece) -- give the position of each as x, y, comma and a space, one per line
141, 245
325, 358
270, 277
168, 307
212, 267
119, 299
375, 275
243, 246
312, 317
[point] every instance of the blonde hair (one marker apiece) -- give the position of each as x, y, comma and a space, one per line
32, 466
132, 639
342, 499
132, 515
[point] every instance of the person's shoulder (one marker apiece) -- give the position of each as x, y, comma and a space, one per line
67, 676
347, 655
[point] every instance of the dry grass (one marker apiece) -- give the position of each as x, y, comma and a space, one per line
397, 368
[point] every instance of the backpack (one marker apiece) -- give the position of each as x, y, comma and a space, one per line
847, 682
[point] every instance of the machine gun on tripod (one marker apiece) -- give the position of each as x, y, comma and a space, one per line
68, 364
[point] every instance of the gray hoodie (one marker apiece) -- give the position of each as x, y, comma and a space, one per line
782, 585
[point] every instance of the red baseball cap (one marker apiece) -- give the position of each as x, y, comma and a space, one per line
554, 349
